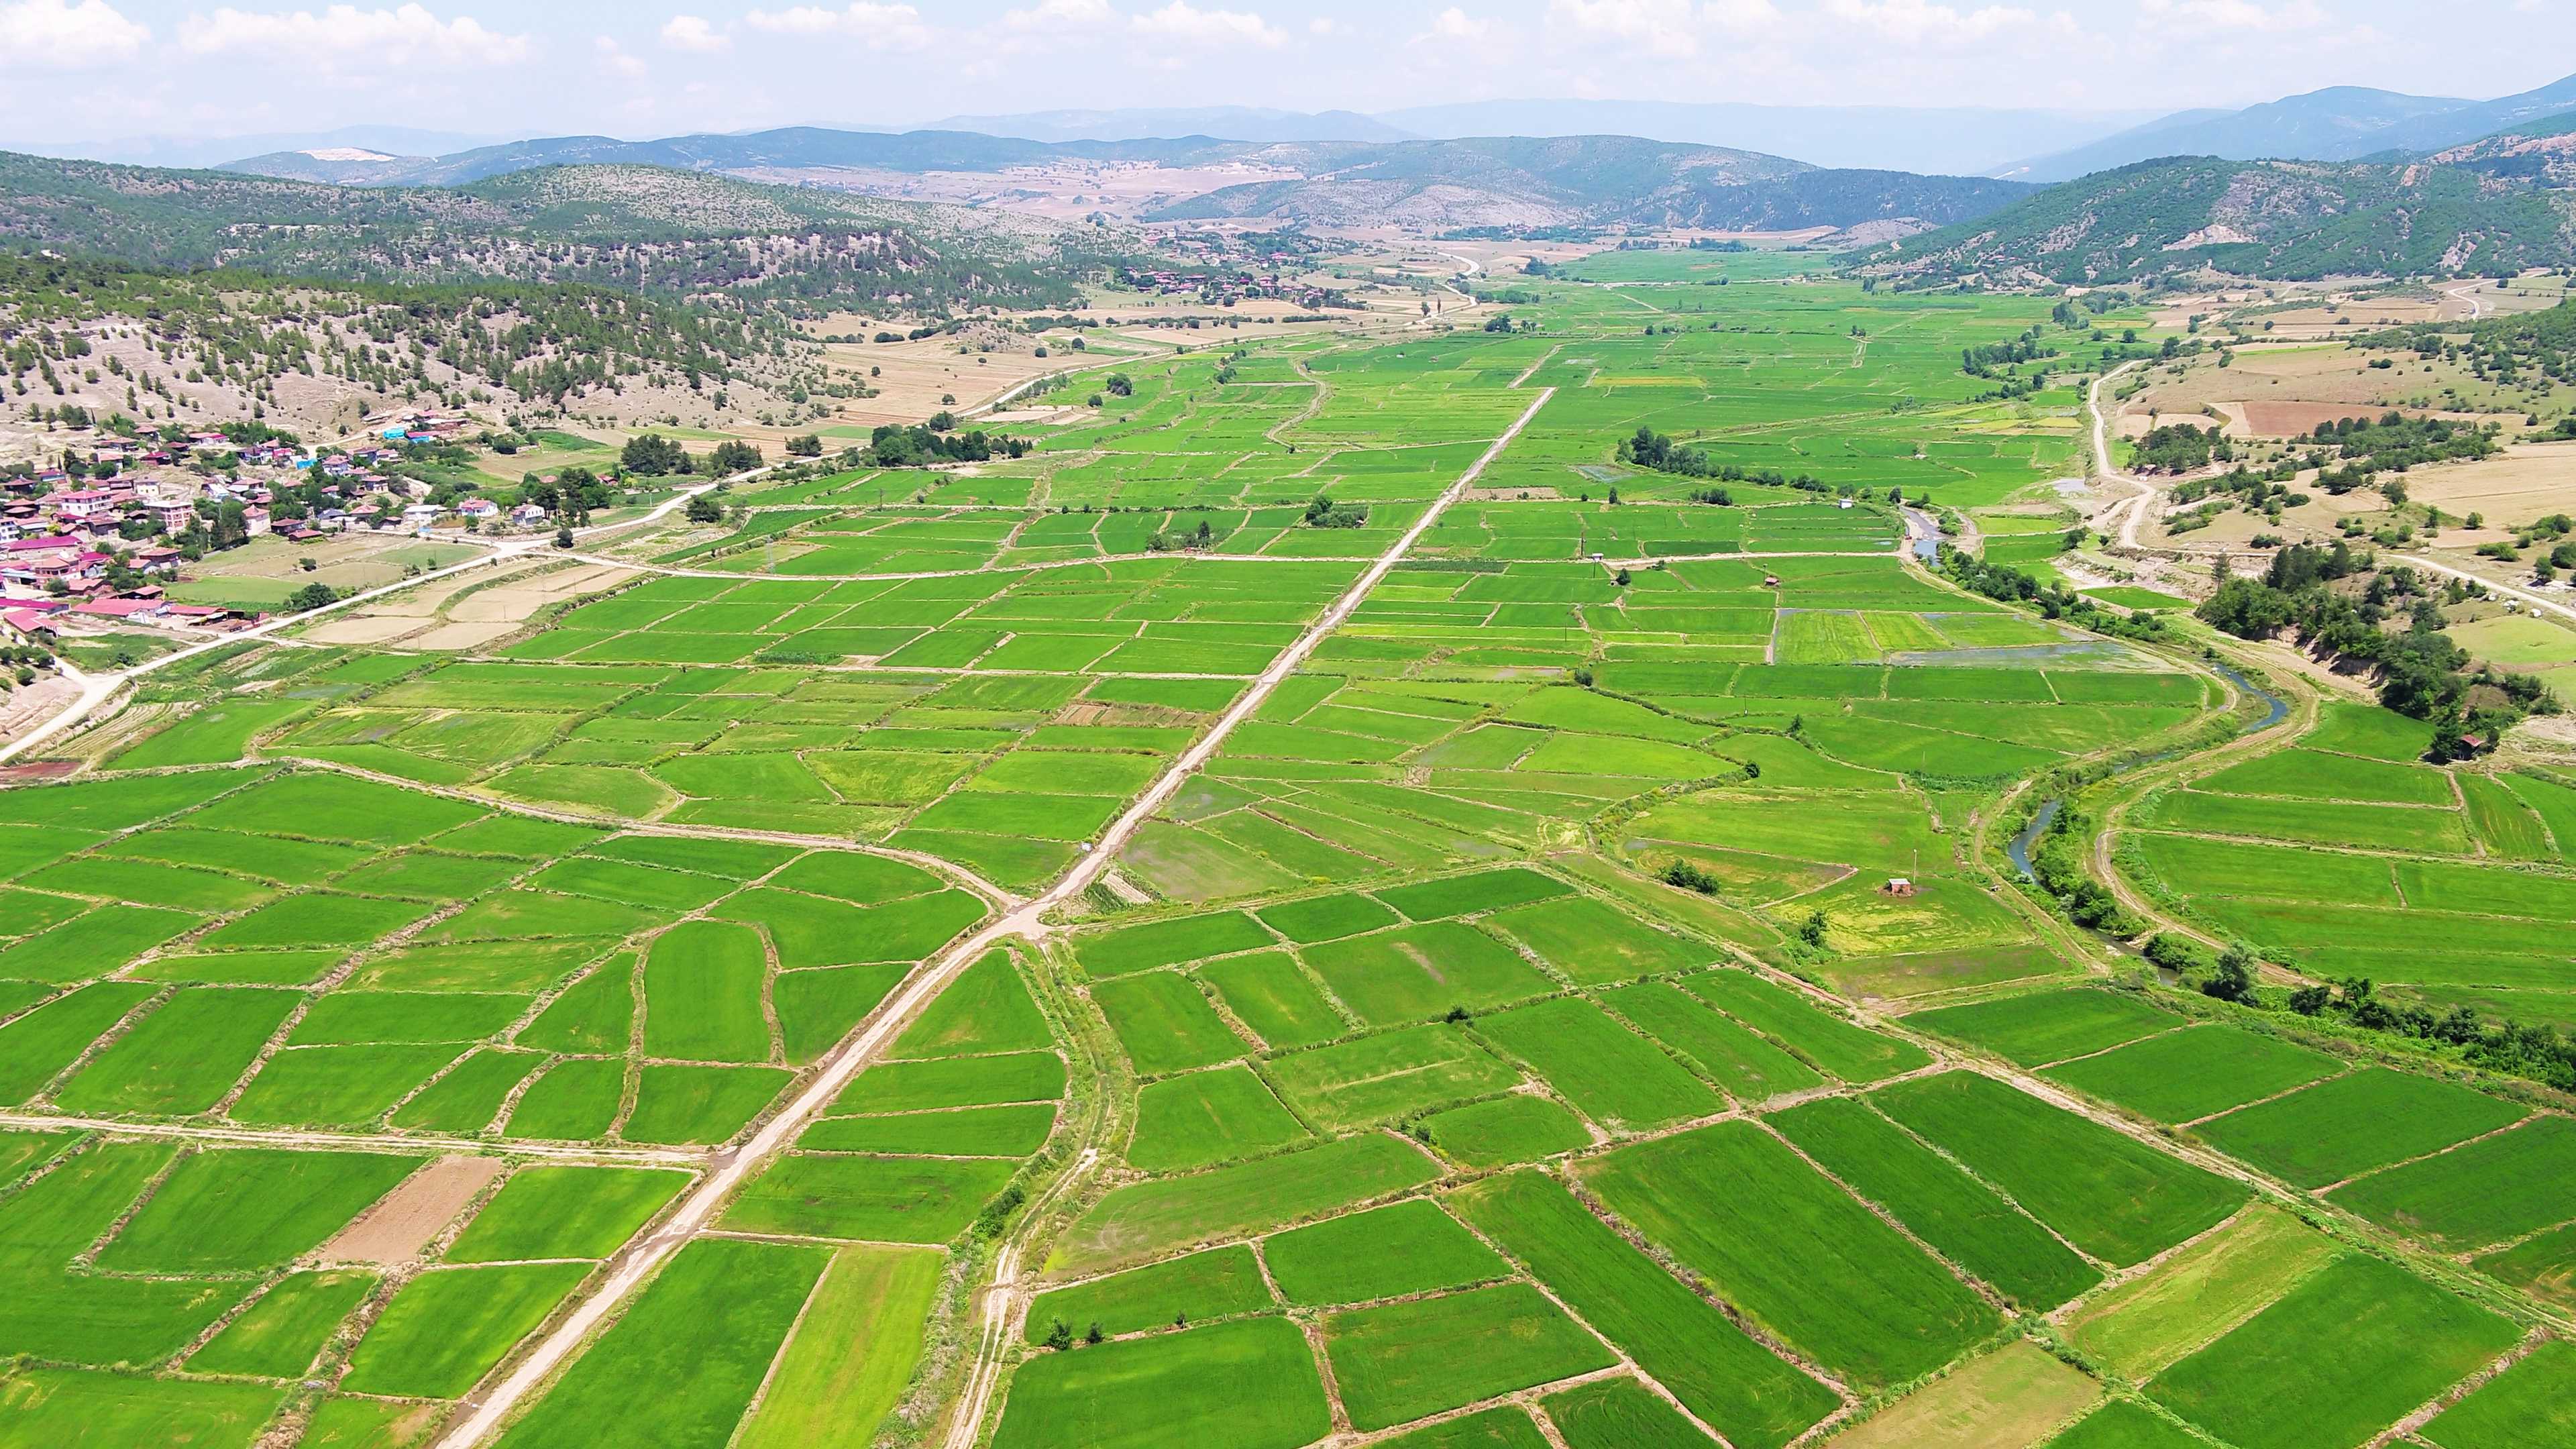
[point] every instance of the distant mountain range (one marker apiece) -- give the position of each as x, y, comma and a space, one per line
1233, 123
1933, 140
1436, 185
798, 147
2345, 123
1596, 180
1956, 140
189, 152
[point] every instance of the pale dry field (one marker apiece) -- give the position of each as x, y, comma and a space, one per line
466, 611
2526, 481
2283, 392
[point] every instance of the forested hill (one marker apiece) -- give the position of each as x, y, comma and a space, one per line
668, 233
2292, 220
225, 344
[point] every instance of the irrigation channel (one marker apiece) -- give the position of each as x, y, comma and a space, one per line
2278, 710
2275, 710
2019, 849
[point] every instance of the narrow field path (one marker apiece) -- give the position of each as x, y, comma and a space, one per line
990, 566
729, 1171
355, 1141
1306, 414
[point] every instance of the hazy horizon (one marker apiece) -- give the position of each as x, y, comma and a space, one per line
484, 69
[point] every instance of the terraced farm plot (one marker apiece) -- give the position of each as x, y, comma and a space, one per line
2139, 1327
1721, 1200
1613, 1075
1401, 1361
2127, 1202
2528, 1404
1204, 1117
1515, 1128
1708, 1363
2476, 1195
1850, 1052
2188, 1075
1197, 1288
1374, 1078
1592, 944
1747, 1065
445, 1330
695, 1345
2044, 1027
1252, 1384
1959, 1216
282, 1334
843, 1373
1268, 993
2352, 1124
2375, 1341
564, 1212
1165, 1022
1140, 1221
1391, 1252
870, 1199
1418, 972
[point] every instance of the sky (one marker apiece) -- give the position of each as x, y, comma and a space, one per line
87, 70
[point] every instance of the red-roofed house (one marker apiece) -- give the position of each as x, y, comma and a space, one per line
141, 610
29, 624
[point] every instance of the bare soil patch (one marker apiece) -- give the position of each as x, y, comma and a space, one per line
2299, 419
396, 1229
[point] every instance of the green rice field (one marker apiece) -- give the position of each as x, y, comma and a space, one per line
1577, 993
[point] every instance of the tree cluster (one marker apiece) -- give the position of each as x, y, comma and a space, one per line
2008, 585
895, 446
2388, 623
2181, 448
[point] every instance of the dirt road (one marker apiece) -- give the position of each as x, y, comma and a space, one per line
727, 1172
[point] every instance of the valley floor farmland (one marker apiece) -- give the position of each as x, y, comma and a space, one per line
1099, 950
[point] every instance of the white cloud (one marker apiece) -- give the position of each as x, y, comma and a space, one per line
52, 33
1182, 21
878, 27
343, 33
1323, 25
1060, 15
2240, 14
1456, 24
1741, 15
1915, 22
692, 32
1668, 27
614, 59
